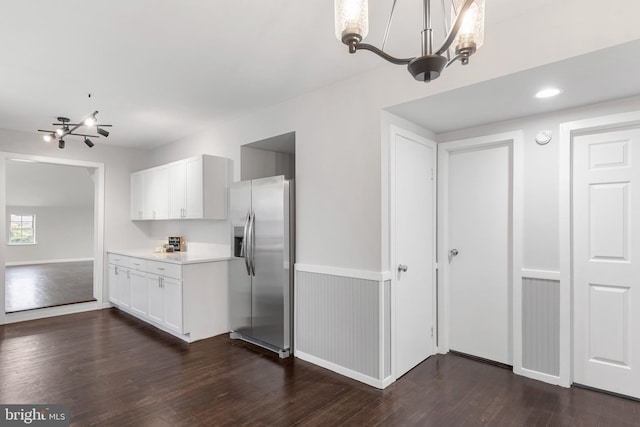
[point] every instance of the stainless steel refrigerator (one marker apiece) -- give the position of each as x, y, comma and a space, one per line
261, 212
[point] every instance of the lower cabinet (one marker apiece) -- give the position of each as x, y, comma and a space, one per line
188, 301
138, 291
165, 301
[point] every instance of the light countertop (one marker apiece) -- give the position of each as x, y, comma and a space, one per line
174, 257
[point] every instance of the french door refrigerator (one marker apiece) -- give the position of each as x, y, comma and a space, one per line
261, 212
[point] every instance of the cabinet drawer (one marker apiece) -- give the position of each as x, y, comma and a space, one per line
121, 260
138, 264
166, 269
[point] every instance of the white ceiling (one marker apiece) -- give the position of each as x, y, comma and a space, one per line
35, 184
595, 77
159, 71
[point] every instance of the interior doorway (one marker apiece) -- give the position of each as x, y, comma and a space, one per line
480, 249
413, 249
53, 212
606, 238
49, 252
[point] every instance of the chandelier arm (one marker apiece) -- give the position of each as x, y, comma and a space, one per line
454, 59
382, 54
81, 123
453, 32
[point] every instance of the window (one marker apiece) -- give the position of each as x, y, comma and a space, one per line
22, 230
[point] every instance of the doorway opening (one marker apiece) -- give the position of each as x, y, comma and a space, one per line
53, 236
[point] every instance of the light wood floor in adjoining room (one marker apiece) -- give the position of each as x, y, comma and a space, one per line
34, 286
114, 370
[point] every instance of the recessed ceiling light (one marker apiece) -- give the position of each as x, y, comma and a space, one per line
548, 92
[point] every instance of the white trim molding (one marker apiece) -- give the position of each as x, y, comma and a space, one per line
373, 382
540, 274
48, 261
567, 131
344, 272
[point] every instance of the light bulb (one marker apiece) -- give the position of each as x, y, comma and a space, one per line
60, 131
48, 137
351, 19
90, 121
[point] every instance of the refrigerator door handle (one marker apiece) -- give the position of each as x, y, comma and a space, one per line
244, 250
252, 243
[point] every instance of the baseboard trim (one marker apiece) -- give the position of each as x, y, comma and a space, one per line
540, 376
373, 382
42, 313
47, 261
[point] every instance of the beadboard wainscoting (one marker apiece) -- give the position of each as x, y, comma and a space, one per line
541, 325
343, 322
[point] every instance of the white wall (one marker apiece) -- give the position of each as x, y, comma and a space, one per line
340, 190
256, 163
541, 172
61, 234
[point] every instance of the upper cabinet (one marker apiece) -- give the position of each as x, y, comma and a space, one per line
193, 188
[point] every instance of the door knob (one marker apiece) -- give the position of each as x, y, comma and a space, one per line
402, 268
453, 252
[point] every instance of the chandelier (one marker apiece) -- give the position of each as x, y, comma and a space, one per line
465, 34
75, 129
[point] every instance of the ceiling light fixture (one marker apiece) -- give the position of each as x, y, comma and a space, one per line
548, 93
65, 130
466, 35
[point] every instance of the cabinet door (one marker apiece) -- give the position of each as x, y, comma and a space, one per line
137, 195
177, 187
172, 303
138, 283
113, 283
155, 295
124, 287
194, 188
156, 193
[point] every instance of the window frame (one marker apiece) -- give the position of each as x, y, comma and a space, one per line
33, 227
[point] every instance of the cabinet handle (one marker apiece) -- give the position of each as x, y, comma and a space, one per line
116, 270
128, 274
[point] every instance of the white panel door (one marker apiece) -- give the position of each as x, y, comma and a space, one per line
177, 189
606, 242
415, 249
479, 194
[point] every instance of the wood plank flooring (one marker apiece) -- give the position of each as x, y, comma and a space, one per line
114, 370
30, 287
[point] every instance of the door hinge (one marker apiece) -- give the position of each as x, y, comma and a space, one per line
431, 174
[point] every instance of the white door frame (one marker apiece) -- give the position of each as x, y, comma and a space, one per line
516, 139
567, 131
98, 240
395, 130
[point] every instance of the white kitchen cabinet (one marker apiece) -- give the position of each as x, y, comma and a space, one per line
155, 298
138, 285
137, 195
118, 266
172, 293
156, 193
193, 188
187, 300
165, 301
177, 189
113, 283
124, 287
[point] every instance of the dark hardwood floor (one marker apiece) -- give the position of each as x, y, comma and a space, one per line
30, 287
114, 370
